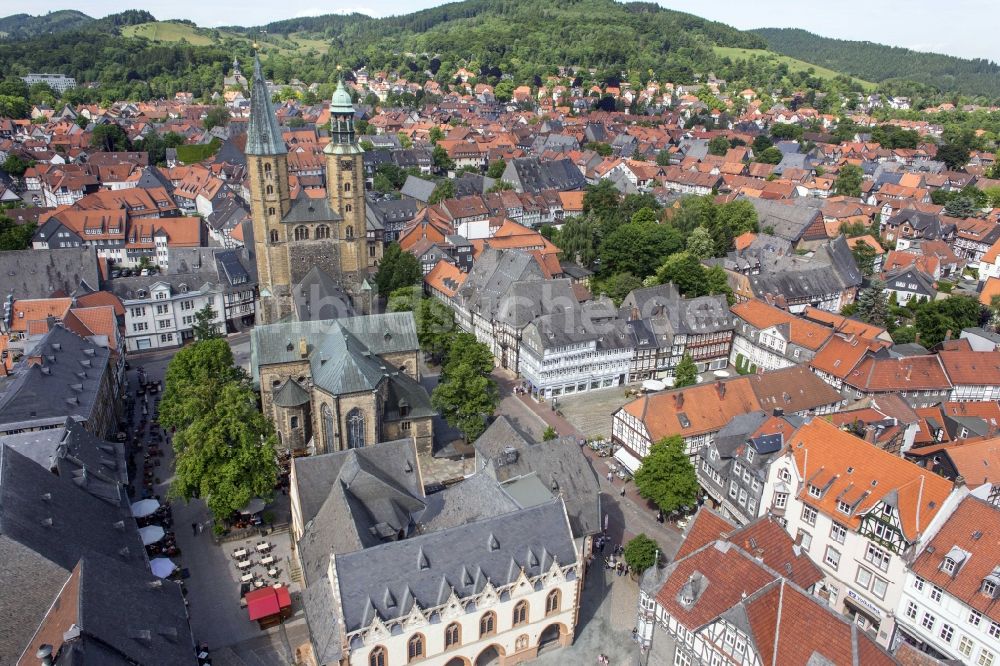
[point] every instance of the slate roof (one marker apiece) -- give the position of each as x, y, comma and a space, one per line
491, 277
65, 383
263, 133
305, 209
534, 175
47, 524
342, 352
417, 188
388, 579
789, 221
290, 394
39, 273
318, 296
559, 464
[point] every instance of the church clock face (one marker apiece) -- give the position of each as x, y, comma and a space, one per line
346, 165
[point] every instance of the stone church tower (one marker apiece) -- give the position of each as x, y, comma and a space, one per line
293, 236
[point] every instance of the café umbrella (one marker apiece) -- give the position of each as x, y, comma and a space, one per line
256, 505
162, 567
145, 507
151, 534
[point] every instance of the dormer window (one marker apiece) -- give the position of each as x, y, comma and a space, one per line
750, 454
843, 507
991, 583
815, 491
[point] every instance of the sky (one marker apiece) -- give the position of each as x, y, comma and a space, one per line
963, 28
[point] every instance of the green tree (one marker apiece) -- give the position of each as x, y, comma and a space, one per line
14, 107
500, 186
382, 184
618, 286
435, 134
217, 116
549, 434
404, 299
109, 138
204, 327
638, 248
578, 240
786, 131
16, 166
761, 143
599, 147
719, 145
686, 372
769, 156
441, 160
864, 257
443, 190
404, 140
641, 553
227, 455
435, 327
933, 320
954, 155
601, 199
194, 380
667, 476
683, 270
701, 244
873, 305
15, 236
397, 269
496, 168
367, 145
467, 395
960, 206
663, 158
848, 182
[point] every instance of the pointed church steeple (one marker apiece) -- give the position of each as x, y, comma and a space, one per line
263, 132
341, 116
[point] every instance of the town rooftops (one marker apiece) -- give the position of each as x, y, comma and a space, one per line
850, 468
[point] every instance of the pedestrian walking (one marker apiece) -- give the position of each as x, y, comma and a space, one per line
194, 529
610, 477
623, 491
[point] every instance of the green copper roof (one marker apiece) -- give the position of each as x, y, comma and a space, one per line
263, 132
341, 102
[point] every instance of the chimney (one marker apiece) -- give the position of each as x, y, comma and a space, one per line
44, 654
35, 359
303, 347
679, 399
909, 370
778, 411
959, 481
720, 388
916, 338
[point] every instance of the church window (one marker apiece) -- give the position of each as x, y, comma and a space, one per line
377, 657
328, 427
452, 635
552, 602
348, 208
270, 189
520, 613
274, 235
301, 233
295, 422
415, 647
267, 170
488, 624
355, 429
270, 211
349, 232
347, 187
322, 231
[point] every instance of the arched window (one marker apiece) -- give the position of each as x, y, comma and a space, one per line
355, 429
552, 603
295, 421
520, 613
347, 187
377, 657
452, 635
301, 233
488, 624
270, 189
270, 211
348, 208
274, 235
267, 171
415, 647
322, 231
349, 232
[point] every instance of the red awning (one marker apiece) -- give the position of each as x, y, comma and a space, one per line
267, 601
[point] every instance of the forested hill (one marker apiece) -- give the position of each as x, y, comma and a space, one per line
531, 35
24, 25
880, 63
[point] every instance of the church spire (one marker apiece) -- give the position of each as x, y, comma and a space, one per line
263, 133
341, 116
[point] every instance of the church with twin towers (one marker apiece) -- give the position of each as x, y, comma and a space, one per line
313, 254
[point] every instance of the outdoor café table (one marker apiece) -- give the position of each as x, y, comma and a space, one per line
263, 545
267, 560
258, 583
272, 572
246, 578
239, 554
245, 564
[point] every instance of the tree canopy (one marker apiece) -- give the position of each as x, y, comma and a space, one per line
667, 476
686, 372
397, 269
641, 553
466, 394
